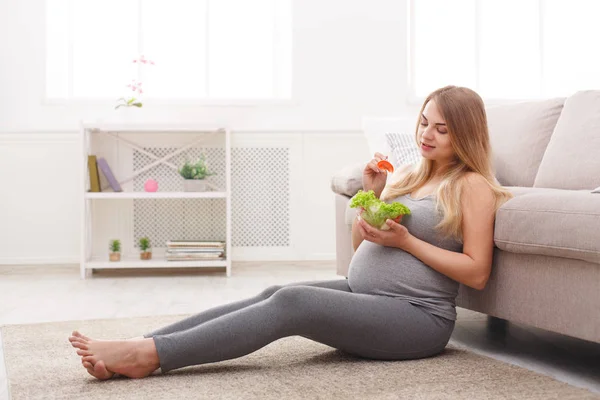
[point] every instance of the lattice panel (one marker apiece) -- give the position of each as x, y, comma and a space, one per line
260, 198
167, 219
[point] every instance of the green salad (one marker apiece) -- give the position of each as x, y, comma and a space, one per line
377, 211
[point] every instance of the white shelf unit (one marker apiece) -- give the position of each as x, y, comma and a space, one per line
90, 262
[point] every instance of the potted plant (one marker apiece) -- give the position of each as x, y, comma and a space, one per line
145, 251
115, 250
194, 175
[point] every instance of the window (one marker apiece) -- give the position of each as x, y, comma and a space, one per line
202, 49
505, 49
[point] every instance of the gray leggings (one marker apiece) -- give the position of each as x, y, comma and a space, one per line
328, 312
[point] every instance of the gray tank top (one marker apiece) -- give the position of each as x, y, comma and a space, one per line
390, 271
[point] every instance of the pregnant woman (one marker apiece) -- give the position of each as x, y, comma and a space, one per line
399, 299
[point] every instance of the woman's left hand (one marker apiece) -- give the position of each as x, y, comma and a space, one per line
397, 236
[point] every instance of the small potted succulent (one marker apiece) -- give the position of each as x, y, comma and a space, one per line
194, 175
145, 249
115, 250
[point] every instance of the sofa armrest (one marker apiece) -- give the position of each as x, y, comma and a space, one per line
552, 222
348, 181
343, 235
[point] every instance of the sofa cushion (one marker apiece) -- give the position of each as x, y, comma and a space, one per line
519, 134
572, 158
378, 129
403, 148
552, 222
348, 181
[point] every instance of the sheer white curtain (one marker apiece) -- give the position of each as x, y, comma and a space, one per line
505, 49
202, 49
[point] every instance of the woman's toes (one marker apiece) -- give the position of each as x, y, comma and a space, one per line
91, 359
91, 372
76, 339
101, 372
83, 353
79, 345
88, 366
98, 371
78, 334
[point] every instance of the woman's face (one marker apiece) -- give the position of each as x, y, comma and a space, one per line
433, 132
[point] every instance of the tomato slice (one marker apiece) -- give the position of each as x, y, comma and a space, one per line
384, 164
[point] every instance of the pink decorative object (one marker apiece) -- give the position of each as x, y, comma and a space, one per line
151, 185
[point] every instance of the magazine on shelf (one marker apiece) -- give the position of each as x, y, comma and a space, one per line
195, 250
179, 257
194, 243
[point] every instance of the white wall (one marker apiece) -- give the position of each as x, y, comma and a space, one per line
349, 60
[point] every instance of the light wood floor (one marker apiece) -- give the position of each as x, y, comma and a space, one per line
56, 293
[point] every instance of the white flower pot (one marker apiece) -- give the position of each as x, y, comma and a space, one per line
194, 185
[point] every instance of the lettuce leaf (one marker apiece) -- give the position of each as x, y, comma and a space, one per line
377, 211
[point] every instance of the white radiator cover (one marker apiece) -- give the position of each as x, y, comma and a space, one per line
260, 198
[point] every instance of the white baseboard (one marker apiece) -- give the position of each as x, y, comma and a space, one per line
243, 256
38, 260
320, 257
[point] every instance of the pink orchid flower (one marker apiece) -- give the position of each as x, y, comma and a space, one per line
142, 59
135, 86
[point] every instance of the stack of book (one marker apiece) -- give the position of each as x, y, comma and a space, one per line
186, 250
100, 164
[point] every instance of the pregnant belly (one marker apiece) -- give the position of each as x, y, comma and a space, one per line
389, 271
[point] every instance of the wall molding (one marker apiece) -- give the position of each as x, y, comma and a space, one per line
39, 260
50, 138
233, 131
239, 255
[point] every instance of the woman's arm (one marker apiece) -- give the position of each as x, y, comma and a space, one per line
458, 266
473, 266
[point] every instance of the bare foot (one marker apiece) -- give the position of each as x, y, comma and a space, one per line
98, 370
134, 358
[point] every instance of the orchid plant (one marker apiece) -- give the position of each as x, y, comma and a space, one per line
135, 86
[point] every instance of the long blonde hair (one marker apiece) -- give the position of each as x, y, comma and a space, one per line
464, 113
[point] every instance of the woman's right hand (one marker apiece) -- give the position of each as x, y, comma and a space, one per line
374, 178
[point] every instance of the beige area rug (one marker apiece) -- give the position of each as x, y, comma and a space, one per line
41, 364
